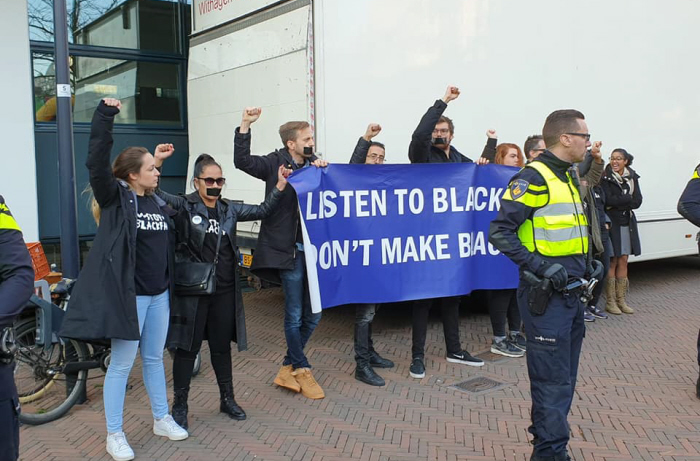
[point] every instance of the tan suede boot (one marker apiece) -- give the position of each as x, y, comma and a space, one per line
611, 303
621, 288
285, 379
309, 387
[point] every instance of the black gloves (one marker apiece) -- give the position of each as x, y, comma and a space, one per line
594, 270
556, 273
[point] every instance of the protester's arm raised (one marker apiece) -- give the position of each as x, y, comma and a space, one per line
419, 149
162, 152
102, 181
254, 212
359, 155
261, 167
489, 151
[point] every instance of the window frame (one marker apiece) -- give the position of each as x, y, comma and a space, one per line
128, 54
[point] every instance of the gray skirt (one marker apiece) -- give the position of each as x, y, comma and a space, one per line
625, 244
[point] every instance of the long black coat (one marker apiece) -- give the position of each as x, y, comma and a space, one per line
278, 232
103, 301
619, 206
189, 244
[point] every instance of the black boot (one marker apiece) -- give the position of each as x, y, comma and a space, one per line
228, 403
180, 407
377, 361
367, 375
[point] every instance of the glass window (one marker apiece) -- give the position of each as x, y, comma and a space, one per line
149, 91
134, 24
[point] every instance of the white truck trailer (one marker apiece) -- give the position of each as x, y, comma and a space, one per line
630, 66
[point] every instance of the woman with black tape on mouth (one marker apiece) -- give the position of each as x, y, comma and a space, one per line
219, 317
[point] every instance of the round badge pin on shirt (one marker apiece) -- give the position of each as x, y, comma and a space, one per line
196, 220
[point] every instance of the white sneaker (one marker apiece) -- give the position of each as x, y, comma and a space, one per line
167, 427
118, 447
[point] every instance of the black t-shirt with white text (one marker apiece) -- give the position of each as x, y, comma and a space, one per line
151, 275
226, 267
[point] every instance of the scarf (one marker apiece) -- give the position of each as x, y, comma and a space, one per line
625, 178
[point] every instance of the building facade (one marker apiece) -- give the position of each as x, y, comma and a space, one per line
134, 50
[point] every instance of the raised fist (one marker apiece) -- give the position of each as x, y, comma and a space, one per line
451, 93
595, 149
163, 151
113, 102
372, 130
491, 134
251, 114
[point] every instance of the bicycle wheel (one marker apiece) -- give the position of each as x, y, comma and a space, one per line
45, 392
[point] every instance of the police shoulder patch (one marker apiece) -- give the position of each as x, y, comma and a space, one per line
518, 188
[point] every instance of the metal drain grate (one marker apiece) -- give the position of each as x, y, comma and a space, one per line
479, 384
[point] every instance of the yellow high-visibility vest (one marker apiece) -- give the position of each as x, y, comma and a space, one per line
7, 221
560, 226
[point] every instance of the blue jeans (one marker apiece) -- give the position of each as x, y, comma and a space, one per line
299, 321
153, 314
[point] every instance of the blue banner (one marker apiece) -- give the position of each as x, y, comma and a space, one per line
385, 233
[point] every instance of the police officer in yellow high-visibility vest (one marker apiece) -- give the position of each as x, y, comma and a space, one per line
16, 286
543, 228
689, 208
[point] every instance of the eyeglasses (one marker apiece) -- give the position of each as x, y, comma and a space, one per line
374, 156
210, 181
442, 131
617, 159
586, 136
539, 150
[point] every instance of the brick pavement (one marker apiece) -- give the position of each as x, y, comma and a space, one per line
635, 395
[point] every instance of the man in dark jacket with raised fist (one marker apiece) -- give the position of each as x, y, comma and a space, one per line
279, 256
432, 143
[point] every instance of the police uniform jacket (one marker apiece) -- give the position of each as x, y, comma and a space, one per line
103, 300
620, 206
280, 231
191, 224
503, 232
16, 271
689, 202
16, 287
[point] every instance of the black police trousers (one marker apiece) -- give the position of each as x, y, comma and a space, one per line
9, 415
554, 342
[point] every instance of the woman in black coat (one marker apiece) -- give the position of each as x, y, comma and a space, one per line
219, 317
623, 195
123, 293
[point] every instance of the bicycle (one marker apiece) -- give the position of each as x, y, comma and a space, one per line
51, 372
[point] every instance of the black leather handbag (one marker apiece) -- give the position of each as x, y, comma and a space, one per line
197, 278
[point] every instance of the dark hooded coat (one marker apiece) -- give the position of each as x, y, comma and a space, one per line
103, 301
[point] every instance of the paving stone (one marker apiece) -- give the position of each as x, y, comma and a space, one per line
634, 401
